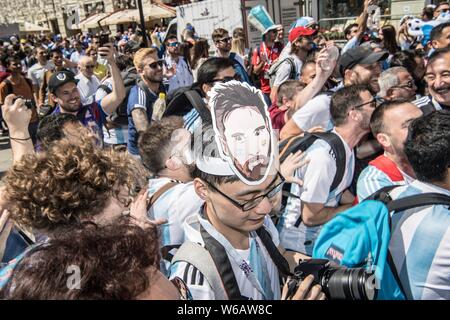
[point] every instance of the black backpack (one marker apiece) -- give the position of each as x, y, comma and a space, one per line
183, 100
303, 142
130, 79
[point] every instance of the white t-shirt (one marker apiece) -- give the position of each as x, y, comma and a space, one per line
284, 70
198, 284
183, 76
36, 72
315, 112
317, 178
87, 88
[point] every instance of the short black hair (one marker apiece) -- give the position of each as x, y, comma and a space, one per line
51, 127
208, 71
428, 12
436, 32
171, 37
404, 58
349, 28
377, 118
428, 146
56, 50
343, 100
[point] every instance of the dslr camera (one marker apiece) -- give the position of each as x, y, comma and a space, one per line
337, 282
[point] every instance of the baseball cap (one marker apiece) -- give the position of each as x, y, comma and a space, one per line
300, 31
59, 79
360, 55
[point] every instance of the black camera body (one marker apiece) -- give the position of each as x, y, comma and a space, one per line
337, 282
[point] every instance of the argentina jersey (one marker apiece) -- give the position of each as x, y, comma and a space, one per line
420, 245
192, 120
317, 178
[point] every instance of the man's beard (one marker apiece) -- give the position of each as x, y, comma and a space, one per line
254, 168
153, 79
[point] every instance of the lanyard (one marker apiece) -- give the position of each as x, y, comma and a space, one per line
269, 57
243, 265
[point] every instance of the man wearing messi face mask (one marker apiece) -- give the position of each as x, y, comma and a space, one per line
231, 237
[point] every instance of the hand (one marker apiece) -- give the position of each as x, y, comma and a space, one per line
323, 56
16, 115
107, 52
138, 211
293, 162
304, 291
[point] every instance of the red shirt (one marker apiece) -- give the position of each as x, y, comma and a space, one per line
272, 54
277, 117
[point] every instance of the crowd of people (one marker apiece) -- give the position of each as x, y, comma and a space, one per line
140, 168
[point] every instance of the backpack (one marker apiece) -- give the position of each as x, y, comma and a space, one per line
274, 69
130, 79
182, 100
212, 261
360, 236
303, 142
240, 69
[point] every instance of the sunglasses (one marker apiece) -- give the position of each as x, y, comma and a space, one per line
227, 79
156, 64
173, 44
89, 67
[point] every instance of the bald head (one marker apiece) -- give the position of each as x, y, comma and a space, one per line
86, 66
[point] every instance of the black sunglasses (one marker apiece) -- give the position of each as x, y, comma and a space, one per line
228, 39
155, 64
256, 201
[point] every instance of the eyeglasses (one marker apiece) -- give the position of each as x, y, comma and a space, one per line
89, 67
409, 85
227, 79
156, 64
246, 206
372, 103
228, 39
173, 44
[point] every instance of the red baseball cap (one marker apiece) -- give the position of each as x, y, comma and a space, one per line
300, 31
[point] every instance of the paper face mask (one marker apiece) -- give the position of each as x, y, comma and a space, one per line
243, 131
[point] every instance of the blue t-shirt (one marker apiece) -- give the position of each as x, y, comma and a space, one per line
138, 100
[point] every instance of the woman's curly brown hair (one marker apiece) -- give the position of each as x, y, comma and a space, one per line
115, 261
68, 182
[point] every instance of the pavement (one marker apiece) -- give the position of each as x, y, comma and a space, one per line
5, 156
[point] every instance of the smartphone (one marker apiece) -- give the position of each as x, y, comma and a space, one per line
104, 39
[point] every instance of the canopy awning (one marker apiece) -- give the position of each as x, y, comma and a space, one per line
30, 27
151, 12
92, 21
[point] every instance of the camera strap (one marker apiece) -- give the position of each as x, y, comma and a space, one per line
221, 250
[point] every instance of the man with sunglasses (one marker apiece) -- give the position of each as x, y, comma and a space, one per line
176, 64
313, 204
440, 8
36, 72
222, 41
88, 83
397, 83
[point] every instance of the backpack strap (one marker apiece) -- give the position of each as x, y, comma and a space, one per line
159, 193
275, 255
197, 102
419, 200
223, 265
6, 226
147, 92
200, 258
338, 148
388, 167
428, 108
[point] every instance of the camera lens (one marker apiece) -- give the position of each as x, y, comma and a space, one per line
348, 284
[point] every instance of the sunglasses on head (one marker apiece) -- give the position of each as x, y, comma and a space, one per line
155, 64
